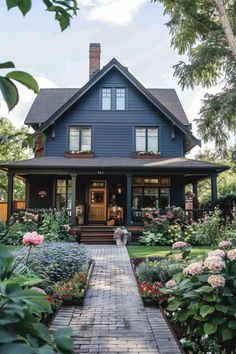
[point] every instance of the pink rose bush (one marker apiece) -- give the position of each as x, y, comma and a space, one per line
225, 244
32, 238
179, 244
216, 281
214, 264
194, 269
217, 253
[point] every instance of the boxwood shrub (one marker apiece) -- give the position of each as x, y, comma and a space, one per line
55, 261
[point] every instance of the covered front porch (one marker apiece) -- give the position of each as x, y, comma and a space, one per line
99, 190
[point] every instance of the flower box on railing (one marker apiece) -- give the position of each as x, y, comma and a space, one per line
80, 154
147, 155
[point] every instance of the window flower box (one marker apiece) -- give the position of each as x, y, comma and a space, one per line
147, 155
80, 154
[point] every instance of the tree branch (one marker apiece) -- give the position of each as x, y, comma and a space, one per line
231, 39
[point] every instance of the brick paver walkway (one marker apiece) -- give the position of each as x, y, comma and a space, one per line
113, 318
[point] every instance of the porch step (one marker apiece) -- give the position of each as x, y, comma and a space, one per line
95, 234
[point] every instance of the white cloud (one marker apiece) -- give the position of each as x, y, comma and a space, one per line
26, 98
116, 12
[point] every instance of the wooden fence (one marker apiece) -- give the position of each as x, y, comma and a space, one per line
17, 204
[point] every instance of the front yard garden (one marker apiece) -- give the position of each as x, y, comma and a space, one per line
195, 286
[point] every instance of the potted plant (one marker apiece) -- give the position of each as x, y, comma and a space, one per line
121, 235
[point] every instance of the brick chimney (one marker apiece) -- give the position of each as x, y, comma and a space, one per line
94, 58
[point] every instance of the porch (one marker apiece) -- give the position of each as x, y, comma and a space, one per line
107, 190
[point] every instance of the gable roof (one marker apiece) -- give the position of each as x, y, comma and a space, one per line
190, 140
49, 100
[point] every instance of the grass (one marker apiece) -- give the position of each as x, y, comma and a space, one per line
150, 251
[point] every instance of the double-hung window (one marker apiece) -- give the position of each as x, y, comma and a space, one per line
80, 139
106, 99
146, 139
120, 99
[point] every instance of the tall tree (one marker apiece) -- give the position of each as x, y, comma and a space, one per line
11, 140
63, 10
205, 30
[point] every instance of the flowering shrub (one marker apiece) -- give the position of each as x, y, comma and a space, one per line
205, 294
120, 232
56, 261
151, 293
225, 244
71, 290
179, 244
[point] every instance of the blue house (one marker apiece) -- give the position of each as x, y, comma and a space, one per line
111, 148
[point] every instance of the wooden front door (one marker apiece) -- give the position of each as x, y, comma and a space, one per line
97, 201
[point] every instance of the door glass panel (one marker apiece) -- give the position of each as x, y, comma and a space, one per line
97, 197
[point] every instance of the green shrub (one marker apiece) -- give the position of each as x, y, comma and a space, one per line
158, 272
57, 260
21, 310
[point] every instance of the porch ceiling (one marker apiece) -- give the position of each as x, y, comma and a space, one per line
170, 165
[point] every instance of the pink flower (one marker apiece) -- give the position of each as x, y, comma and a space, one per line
178, 257
39, 290
179, 244
32, 238
217, 253
171, 284
216, 281
214, 263
193, 269
232, 254
225, 244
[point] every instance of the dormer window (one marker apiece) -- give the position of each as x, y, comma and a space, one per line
120, 99
106, 98
80, 139
146, 139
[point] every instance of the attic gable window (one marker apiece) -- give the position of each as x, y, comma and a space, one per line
120, 99
106, 98
146, 139
80, 138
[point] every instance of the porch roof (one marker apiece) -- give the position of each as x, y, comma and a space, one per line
108, 163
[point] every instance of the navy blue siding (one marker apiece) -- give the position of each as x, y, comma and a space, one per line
113, 131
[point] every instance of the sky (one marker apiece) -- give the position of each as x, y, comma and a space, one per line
132, 31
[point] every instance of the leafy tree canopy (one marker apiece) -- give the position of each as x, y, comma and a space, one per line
226, 182
64, 10
205, 30
11, 140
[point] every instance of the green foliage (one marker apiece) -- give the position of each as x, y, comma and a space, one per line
57, 261
197, 32
152, 272
203, 309
21, 310
150, 238
11, 150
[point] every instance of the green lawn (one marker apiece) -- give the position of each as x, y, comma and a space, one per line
150, 251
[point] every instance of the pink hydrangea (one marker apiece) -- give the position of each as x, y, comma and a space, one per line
216, 281
217, 253
178, 257
232, 254
171, 284
179, 244
32, 238
194, 269
214, 263
225, 244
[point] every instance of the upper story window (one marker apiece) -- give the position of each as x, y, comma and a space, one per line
80, 139
106, 98
146, 139
120, 99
